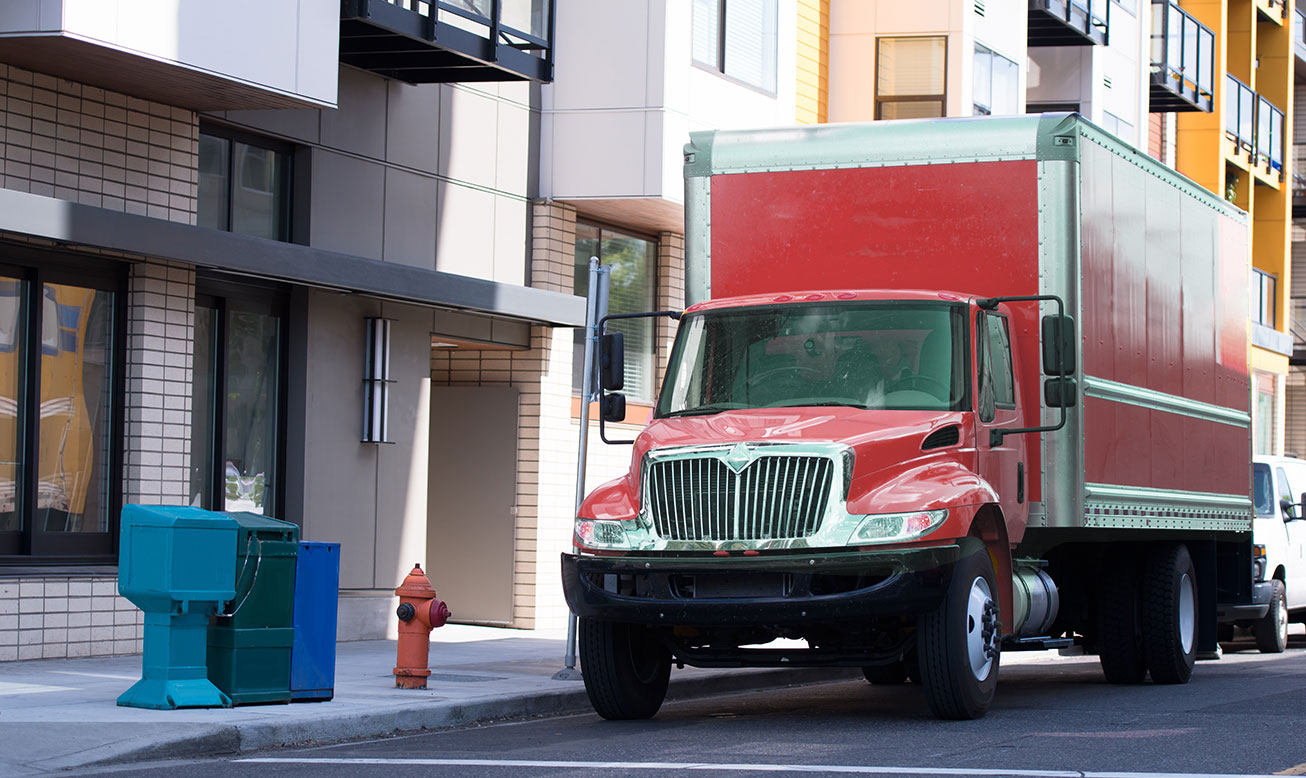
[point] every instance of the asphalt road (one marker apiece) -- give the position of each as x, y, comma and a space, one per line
1244, 714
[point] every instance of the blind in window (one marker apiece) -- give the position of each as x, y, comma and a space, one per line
910, 66
706, 20
751, 42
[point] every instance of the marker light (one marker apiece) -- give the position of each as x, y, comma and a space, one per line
891, 527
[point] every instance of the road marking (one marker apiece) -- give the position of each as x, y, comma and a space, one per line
742, 768
1298, 770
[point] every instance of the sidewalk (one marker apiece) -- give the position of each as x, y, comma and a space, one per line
61, 713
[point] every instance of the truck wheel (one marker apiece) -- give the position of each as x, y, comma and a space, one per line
958, 642
1119, 639
625, 669
1272, 630
1170, 614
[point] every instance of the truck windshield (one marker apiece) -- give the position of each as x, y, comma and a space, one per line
876, 355
1262, 489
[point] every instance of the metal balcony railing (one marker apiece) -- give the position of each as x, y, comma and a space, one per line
1183, 60
437, 41
1069, 22
1299, 186
1299, 34
1240, 114
1269, 137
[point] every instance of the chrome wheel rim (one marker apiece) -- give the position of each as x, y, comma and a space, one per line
981, 628
1187, 613
1281, 622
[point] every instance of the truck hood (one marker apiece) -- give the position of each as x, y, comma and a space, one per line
880, 439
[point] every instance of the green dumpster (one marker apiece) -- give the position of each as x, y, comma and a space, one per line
250, 640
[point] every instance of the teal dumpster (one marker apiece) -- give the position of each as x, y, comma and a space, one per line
249, 641
176, 564
317, 593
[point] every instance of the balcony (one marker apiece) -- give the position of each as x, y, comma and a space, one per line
446, 41
1069, 22
1269, 141
1299, 41
1183, 60
1299, 187
1240, 120
1273, 10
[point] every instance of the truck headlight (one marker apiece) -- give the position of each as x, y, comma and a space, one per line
1258, 562
891, 527
598, 533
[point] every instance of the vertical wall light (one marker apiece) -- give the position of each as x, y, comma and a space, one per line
376, 382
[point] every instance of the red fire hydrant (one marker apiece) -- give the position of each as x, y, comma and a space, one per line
419, 612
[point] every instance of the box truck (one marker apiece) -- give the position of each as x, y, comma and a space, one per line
944, 389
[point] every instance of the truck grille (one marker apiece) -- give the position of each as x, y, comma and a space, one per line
774, 497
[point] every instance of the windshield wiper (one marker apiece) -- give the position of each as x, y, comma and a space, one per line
702, 410
860, 406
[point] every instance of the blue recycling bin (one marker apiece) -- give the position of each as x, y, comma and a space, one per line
313, 653
177, 564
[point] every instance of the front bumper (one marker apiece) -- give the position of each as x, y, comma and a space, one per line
1256, 609
772, 590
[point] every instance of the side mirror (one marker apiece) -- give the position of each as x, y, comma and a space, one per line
1060, 392
612, 361
612, 407
1058, 345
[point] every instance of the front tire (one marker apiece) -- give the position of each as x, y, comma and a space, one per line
1272, 630
958, 643
625, 667
1170, 614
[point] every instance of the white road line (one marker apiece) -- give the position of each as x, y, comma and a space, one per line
746, 767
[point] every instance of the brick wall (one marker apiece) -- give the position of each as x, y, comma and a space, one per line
42, 618
83, 144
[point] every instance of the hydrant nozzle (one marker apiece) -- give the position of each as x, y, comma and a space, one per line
419, 612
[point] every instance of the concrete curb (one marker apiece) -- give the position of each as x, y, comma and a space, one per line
569, 697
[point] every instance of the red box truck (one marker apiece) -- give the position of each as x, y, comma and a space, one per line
946, 388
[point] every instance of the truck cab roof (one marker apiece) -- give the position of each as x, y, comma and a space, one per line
828, 295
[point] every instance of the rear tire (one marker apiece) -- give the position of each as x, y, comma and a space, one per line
1119, 636
1272, 630
958, 643
625, 667
1170, 613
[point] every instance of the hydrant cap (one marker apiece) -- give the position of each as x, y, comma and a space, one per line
416, 585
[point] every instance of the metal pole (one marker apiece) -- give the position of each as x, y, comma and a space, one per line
597, 279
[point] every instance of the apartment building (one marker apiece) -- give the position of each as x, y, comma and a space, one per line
236, 261
1295, 389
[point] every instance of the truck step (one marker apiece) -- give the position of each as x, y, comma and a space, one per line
1037, 643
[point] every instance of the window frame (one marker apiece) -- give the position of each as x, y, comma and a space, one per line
941, 98
655, 386
285, 182
987, 110
719, 67
34, 268
225, 294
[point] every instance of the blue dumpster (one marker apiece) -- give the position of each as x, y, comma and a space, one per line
313, 654
176, 564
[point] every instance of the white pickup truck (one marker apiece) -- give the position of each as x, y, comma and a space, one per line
1279, 535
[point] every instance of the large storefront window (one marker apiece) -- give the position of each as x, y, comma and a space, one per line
632, 289
58, 422
236, 401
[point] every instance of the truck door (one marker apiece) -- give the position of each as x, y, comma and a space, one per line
1290, 487
998, 405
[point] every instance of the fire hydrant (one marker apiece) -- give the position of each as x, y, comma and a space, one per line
419, 612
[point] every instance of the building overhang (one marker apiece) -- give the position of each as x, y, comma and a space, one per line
646, 214
74, 225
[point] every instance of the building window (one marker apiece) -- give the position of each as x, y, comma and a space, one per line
1118, 127
910, 78
997, 84
237, 399
632, 289
244, 184
1265, 291
61, 428
737, 38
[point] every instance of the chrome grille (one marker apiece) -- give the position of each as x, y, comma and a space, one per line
774, 497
